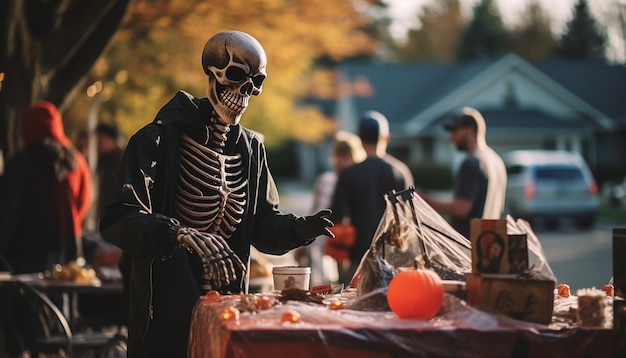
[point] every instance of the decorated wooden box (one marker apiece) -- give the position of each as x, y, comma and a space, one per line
516, 296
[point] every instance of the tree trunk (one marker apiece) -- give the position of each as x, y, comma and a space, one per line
46, 49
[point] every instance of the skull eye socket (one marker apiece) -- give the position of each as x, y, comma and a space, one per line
235, 74
258, 80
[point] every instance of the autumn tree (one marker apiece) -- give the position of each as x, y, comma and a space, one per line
158, 51
582, 39
533, 38
485, 34
46, 47
437, 37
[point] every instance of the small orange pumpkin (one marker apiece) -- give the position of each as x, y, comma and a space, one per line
229, 314
336, 305
415, 294
562, 290
263, 302
609, 289
290, 317
212, 296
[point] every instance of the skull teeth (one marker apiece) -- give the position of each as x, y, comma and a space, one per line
233, 101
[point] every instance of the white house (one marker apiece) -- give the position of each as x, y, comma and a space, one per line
554, 104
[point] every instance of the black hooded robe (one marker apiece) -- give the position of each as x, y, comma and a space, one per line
165, 279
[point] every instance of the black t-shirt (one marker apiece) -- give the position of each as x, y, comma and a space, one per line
359, 194
471, 184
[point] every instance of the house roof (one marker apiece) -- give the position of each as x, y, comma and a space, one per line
401, 90
415, 97
601, 85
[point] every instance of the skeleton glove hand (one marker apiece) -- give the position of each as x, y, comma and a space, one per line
219, 262
310, 227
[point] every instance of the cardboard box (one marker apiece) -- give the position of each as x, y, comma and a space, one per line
515, 296
517, 252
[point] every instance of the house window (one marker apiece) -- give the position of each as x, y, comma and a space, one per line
428, 147
568, 145
401, 152
549, 144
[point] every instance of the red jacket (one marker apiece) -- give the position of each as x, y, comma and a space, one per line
42, 121
46, 193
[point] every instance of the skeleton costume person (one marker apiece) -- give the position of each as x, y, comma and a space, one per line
196, 193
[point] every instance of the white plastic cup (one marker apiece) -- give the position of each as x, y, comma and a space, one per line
286, 277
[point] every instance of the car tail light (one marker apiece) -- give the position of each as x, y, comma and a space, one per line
529, 189
593, 188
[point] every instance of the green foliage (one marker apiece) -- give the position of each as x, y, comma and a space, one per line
438, 36
604, 174
582, 39
612, 213
431, 176
485, 35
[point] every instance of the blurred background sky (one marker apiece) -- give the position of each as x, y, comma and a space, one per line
404, 14
404, 11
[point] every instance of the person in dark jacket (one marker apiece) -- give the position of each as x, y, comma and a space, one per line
110, 151
361, 188
196, 192
46, 195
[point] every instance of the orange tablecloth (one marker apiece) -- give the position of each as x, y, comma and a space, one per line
457, 331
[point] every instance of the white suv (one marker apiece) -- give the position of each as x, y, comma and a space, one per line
548, 185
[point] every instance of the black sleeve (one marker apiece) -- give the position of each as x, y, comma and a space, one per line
129, 220
274, 232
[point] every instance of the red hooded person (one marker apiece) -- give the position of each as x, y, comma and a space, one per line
46, 194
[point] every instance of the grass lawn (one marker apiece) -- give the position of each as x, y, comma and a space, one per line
612, 213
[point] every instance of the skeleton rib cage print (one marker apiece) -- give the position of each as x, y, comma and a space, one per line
211, 194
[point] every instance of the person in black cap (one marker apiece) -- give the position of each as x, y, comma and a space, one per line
101, 254
480, 183
360, 189
110, 151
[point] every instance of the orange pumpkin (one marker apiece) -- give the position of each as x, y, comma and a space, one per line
415, 294
263, 302
562, 290
609, 290
229, 314
212, 296
336, 305
290, 317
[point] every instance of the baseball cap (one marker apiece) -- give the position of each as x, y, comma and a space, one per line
460, 119
373, 124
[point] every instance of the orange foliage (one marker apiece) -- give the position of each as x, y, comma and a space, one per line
161, 41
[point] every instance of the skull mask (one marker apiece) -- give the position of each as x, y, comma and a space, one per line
235, 63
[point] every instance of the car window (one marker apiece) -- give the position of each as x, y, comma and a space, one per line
515, 169
559, 173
